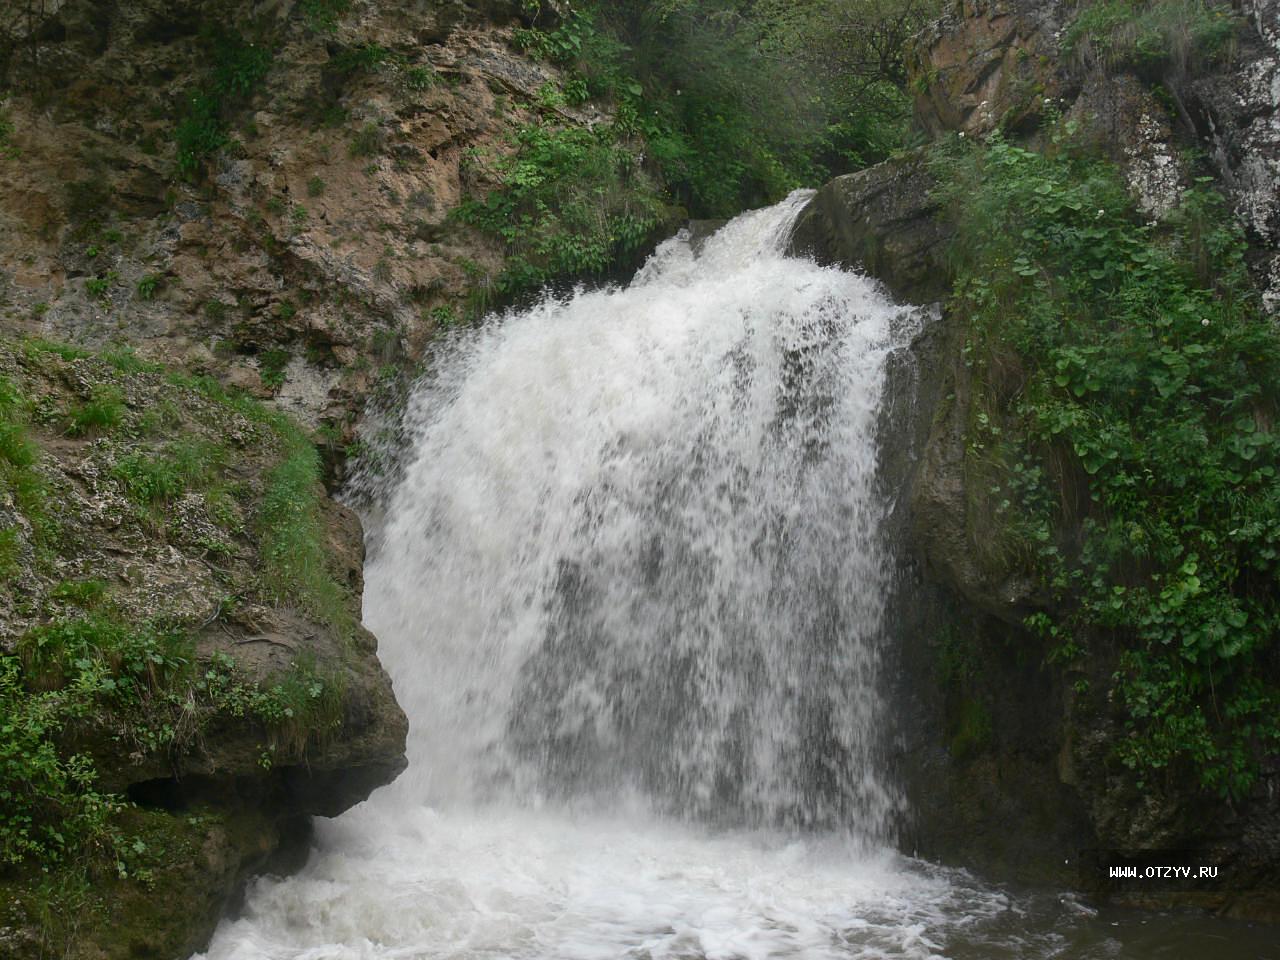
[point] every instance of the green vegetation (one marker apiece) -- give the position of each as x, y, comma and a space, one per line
238, 67
149, 478
294, 558
574, 200
716, 107
419, 78
102, 411
323, 15
1151, 35
148, 286
1127, 387
91, 679
271, 366
19, 478
365, 58
139, 687
99, 287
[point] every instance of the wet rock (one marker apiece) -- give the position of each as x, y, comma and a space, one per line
884, 221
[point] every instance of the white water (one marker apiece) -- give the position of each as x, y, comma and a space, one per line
629, 590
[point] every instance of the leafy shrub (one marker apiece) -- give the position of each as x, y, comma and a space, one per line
98, 287
420, 78
238, 68
1150, 34
148, 285
271, 367
570, 202
1129, 389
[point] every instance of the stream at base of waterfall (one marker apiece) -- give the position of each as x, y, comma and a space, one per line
629, 582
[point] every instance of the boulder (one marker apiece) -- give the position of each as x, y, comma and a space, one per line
885, 222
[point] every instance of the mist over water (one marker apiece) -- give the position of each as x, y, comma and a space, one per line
630, 590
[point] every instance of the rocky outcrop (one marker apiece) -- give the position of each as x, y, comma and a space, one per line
310, 256
987, 64
156, 530
1000, 65
1236, 111
885, 219
1008, 764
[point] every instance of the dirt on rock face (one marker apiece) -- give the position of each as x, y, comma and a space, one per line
314, 248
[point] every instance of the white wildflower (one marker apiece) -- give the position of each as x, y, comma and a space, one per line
1204, 321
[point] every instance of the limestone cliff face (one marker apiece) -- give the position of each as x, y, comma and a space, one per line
1005, 765
1002, 64
315, 248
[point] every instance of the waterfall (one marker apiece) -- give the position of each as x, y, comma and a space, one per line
635, 552
629, 587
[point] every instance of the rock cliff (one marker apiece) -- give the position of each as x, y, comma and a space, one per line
297, 243
257, 198
1006, 765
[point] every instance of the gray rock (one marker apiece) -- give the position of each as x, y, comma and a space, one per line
885, 222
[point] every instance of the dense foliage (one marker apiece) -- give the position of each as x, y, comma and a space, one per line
1150, 37
714, 107
572, 202
1125, 442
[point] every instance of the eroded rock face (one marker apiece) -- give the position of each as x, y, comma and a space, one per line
1009, 766
270, 705
320, 251
987, 64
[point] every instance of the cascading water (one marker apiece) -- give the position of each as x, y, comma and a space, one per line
636, 553
629, 588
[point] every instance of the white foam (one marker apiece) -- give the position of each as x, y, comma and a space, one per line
630, 587
388, 882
